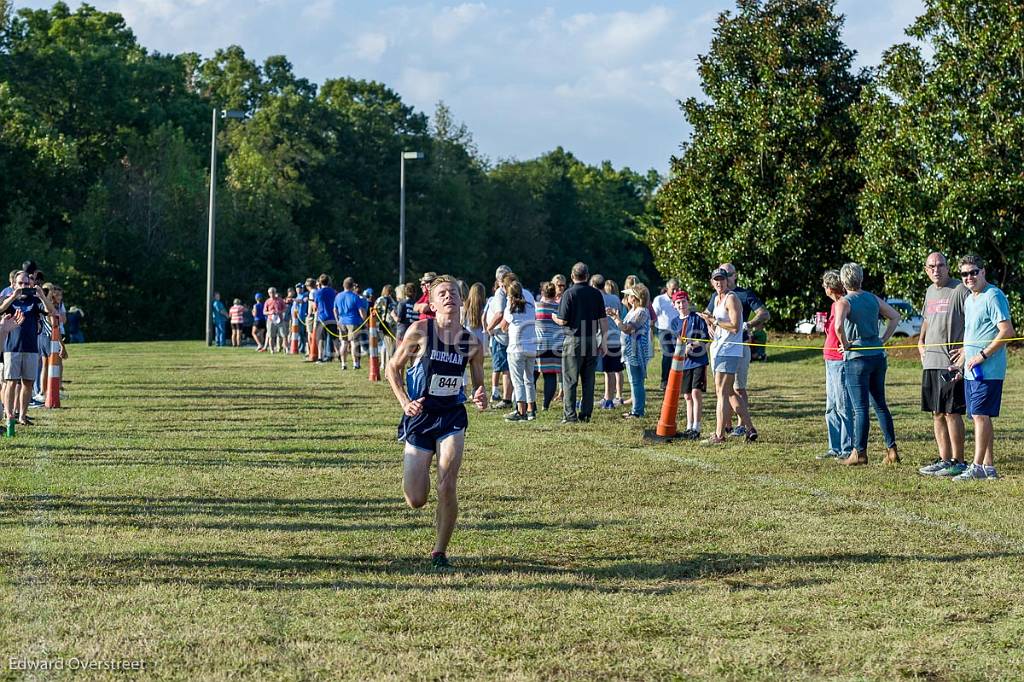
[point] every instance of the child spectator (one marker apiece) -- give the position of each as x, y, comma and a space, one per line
237, 313
695, 361
635, 328
259, 323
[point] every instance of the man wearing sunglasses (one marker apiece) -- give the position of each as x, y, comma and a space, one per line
942, 390
986, 327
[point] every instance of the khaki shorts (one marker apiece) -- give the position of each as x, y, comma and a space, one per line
21, 366
743, 370
348, 332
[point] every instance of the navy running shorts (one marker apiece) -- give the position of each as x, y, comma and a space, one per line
426, 429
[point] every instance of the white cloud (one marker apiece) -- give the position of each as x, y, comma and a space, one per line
452, 21
370, 47
423, 87
319, 11
623, 33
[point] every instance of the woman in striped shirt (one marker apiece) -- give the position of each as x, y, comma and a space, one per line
237, 313
550, 338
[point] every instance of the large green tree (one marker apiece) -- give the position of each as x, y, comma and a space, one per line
942, 147
767, 179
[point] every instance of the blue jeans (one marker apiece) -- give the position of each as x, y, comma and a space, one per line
838, 411
221, 327
637, 375
865, 382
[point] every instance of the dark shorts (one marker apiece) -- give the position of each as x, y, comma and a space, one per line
499, 356
238, 326
332, 329
695, 378
426, 429
940, 396
612, 362
259, 324
984, 397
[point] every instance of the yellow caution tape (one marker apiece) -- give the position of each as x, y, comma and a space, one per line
854, 348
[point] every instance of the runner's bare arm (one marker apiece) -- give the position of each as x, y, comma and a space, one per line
407, 349
476, 372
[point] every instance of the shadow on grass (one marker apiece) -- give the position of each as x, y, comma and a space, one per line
326, 515
230, 570
67, 455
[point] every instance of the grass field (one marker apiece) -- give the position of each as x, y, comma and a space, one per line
220, 514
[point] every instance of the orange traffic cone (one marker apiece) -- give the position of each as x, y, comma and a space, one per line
54, 365
374, 341
293, 347
670, 406
314, 345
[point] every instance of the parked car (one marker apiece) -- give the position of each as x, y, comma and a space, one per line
910, 319
909, 325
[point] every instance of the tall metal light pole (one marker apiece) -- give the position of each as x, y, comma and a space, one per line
401, 214
213, 218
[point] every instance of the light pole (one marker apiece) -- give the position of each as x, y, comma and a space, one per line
401, 214
213, 217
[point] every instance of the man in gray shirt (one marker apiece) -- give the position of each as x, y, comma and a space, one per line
942, 390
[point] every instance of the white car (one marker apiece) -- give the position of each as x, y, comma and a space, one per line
910, 319
909, 325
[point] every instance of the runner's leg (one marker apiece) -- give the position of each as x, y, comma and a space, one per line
416, 475
449, 459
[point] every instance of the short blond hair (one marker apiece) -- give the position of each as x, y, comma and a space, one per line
442, 279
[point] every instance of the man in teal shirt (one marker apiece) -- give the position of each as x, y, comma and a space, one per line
986, 327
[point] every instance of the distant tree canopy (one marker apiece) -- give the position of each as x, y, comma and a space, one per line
767, 180
104, 160
796, 164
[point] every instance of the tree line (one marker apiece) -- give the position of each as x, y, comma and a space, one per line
796, 163
104, 160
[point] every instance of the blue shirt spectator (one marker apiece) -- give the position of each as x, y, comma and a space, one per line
347, 307
324, 299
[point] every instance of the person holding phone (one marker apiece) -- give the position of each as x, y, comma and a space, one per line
21, 348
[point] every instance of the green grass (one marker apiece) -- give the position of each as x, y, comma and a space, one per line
222, 514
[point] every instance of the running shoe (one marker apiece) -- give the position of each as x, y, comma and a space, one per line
502, 405
685, 435
607, 405
831, 454
356, 366
972, 473
630, 415
738, 431
531, 415
990, 473
440, 561
933, 468
694, 435
618, 402
495, 397
515, 417
952, 470
751, 435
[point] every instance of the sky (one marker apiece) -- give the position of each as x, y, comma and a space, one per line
599, 78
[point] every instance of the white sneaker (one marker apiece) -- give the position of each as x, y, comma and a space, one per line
972, 473
933, 468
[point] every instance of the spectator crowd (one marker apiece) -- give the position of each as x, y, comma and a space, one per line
548, 343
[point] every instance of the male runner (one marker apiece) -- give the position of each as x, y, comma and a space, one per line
432, 397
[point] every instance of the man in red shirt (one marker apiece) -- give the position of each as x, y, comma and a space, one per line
422, 306
274, 310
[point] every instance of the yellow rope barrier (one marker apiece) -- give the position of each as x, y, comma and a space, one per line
855, 348
338, 336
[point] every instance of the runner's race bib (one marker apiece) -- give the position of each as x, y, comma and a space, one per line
442, 386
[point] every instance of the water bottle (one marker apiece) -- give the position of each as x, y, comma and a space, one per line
10, 428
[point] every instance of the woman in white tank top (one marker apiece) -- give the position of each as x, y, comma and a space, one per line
726, 324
